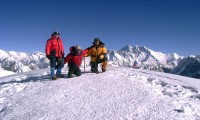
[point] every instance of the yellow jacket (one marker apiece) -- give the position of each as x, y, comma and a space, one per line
97, 53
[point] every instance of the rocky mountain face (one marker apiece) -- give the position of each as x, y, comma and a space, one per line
188, 66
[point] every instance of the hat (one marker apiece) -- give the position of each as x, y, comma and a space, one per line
55, 33
96, 39
78, 47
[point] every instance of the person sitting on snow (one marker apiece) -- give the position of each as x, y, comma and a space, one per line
74, 60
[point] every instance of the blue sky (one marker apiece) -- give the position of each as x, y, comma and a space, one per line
162, 25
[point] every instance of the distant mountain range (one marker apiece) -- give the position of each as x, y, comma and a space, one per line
188, 66
138, 57
22, 62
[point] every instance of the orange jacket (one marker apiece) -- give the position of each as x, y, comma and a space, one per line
97, 53
54, 47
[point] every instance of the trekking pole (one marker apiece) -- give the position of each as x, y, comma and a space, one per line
84, 64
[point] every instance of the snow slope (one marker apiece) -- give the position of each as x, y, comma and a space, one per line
5, 72
118, 94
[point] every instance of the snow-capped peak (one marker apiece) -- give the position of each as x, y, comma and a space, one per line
38, 53
127, 48
3, 54
146, 58
22, 62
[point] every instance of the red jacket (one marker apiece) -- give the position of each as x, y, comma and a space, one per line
73, 58
55, 47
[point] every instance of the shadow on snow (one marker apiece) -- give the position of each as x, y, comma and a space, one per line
28, 79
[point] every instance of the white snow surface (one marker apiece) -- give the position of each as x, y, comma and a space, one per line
5, 72
118, 94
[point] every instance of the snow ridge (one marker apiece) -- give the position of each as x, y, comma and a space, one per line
147, 59
188, 66
22, 62
120, 94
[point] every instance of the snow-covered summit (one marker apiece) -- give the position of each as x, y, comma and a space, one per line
121, 93
127, 48
147, 58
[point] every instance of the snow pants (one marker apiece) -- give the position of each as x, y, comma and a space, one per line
74, 69
94, 65
56, 64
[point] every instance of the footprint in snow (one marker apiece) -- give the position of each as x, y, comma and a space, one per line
181, 95
192, 89
197, 96
186, 108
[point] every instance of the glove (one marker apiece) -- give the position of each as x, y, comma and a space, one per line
48, 56
60, 62
59, 59
101, 56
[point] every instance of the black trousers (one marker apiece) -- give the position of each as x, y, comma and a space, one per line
74, 69
54, 63
94, 65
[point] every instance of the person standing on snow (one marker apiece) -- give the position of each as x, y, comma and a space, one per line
55, 53
74, 60
98, 55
